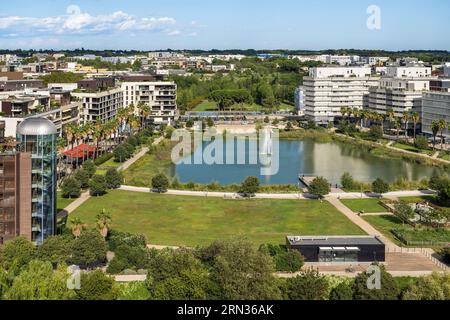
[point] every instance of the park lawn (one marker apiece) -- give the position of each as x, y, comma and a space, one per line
61, 202
107, 165
445, 156
366, 205
191, 221
412, 148
206, 105
142, 171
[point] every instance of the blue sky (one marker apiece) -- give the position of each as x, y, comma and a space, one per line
207, 24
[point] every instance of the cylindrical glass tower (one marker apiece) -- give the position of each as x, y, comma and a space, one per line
38, 136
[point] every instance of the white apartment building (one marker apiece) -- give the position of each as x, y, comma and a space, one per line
435, 106
374, 61
100, 106
408, 72
160, 96
328, 89
399, 94
341, 60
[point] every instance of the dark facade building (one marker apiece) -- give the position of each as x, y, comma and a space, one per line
338, 249
15, 195
142, 78
18, 85
440, 85
96, 84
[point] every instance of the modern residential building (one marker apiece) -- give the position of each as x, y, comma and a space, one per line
38, 137
441, 85
328, 89
99, 106
374, 61
435, 106
15, 195
160, 96
341, 60
410, 71
17, 85
327, 249
399, 94
96, 84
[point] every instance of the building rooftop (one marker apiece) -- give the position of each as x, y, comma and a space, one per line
334, 241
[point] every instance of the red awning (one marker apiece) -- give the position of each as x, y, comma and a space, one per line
80, 151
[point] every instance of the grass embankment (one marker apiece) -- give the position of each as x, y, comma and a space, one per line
207, 105
321, 136
385, 224
366, 205
191, 221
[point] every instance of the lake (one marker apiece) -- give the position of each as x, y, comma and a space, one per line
307, 157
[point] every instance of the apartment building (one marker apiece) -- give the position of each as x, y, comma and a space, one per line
435, 106
328, 89
441, 85
410, 71
15, 195
160, 96
341, 60
99, 106
17, 85
398, 94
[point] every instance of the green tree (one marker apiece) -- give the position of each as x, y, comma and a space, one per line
17, 253
389, 289
210, 122
310, 285
96, 285
404, 211
103, 223
421, 142
71, 188
38, 281
160, 183
380, 187
435, 127
241, 272
89, 249
56, 249
376, 132
114, 178
121, 153
319, 187
82, 177
433, 287
89, 167
97, 185
347, 181
343, 291
250, 186
289, 126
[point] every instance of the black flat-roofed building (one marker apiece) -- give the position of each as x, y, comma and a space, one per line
338, 249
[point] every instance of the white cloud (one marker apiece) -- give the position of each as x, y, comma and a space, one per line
174, 33
78, 22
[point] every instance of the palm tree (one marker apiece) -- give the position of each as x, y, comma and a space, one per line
415, 119
398, 126
77, 227
442, 125
103, 223
391, 116
145, 111
356, 114
97, 135
344, 111
405, 119
134, 123
435, 130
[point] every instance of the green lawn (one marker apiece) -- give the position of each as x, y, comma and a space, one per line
212, 106
107, 165
412, 148
142, 171
366, 205
61, 202
190, 221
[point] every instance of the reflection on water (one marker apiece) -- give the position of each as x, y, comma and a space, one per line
308, 157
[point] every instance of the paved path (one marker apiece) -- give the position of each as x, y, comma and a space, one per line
360, 222
281, 196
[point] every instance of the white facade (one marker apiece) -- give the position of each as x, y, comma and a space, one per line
100, 106
63, 86
160, 96
408, 72
373, 61
398, 94
341, 60
327, 90
435, 106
